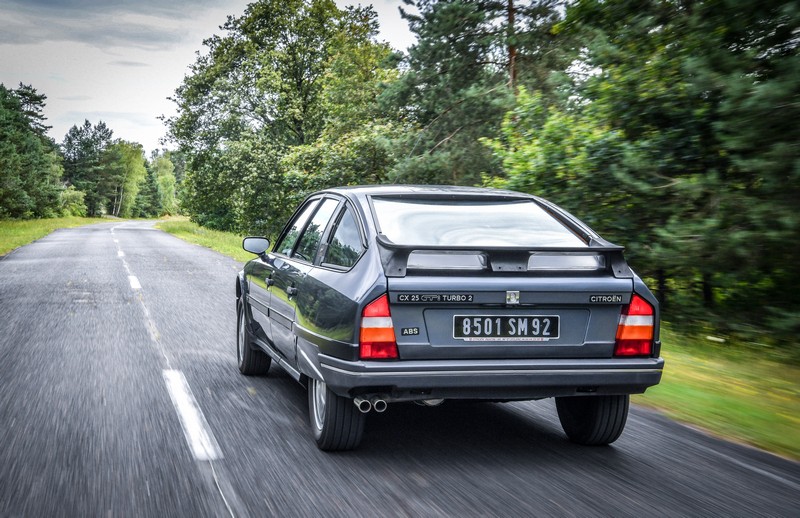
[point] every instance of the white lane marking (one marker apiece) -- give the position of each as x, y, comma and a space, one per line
134, 282
201, 441
199, 437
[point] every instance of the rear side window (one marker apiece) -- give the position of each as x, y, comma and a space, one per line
307, 248
471, 223
290, 239
345, 247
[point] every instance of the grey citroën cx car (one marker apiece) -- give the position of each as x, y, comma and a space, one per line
377, 295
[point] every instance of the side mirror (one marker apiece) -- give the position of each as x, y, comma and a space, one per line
255, 245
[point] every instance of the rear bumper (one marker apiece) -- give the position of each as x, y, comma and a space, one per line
490, 379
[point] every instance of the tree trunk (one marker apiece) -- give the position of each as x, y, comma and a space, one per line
118, 201
114, 204
512, 48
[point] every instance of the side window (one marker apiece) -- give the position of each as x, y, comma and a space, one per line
286, 245
345, 247
307, 249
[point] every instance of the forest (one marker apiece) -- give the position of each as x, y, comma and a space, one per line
669, 126
89, 174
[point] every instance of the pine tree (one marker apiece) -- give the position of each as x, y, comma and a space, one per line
30, 170
461, 77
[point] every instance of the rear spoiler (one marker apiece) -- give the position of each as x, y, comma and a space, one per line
394, 257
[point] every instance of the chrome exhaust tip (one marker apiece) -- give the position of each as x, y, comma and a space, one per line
379, 404
363, 405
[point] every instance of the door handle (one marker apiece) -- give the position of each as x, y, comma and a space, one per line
291, 291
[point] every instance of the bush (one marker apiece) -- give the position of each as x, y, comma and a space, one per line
72, 202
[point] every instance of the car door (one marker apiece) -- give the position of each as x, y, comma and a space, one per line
257, 274
291, 264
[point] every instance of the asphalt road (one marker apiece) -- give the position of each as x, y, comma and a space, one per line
100, 326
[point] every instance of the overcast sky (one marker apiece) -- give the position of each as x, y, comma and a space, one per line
118, 60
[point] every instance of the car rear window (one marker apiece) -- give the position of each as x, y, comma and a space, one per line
471, 222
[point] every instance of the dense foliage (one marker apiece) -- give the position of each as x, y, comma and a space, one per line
89, 174
681, 143
291, 78
114, 175
459, 79
668, 125
30, 168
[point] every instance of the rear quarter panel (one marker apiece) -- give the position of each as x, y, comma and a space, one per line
328, 307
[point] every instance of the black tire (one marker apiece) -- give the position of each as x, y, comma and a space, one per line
593, 420
336, 423
252, 361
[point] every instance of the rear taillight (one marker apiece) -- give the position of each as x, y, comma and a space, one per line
635, 330
377, 341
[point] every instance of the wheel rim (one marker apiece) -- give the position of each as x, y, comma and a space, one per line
318, 398
240, 337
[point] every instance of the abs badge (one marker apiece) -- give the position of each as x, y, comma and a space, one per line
512, 297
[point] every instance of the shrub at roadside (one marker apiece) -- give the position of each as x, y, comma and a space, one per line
72, 202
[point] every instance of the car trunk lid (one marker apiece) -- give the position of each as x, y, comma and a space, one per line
510, 317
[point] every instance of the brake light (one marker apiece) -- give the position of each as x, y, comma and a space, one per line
377, 341
635, 330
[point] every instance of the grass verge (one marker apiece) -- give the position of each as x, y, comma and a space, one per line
223, 242
14, 234
729, 391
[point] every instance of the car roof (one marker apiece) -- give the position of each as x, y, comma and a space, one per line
424, 190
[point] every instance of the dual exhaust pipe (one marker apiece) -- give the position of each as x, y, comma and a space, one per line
376, 403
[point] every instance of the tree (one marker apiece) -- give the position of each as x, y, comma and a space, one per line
30, 169
460, 78
147, 205
123, 173
33, 104
163, 170
356, 144
178, 160
72, 202
83, 149
697, 109
755, 67
257, 93
571, 159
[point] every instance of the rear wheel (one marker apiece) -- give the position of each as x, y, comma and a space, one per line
335, 421
593, 420
251, 361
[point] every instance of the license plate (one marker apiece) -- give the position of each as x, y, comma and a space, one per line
522, 328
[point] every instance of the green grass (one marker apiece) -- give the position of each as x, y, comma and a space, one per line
14, 234
223, 242
728, 390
